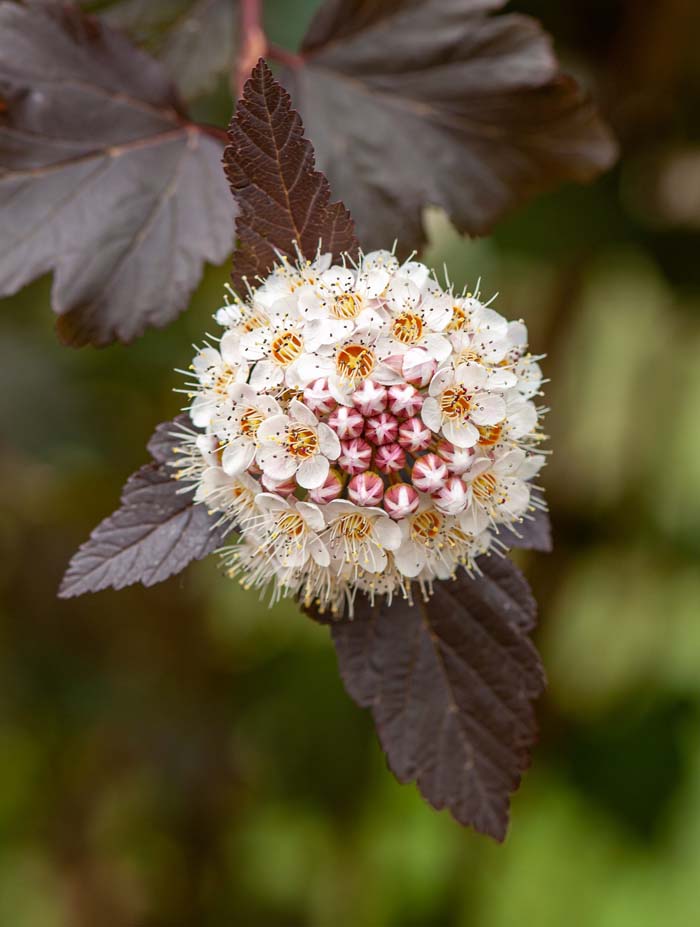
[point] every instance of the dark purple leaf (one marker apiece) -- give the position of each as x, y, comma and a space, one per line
195, 39
102, 178
451, 684
411, 104
282, 199
155, 533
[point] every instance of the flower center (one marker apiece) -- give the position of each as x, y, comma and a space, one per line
251, 420
302, 441
355, 526
224, 380
455, 403
407, 328
253, 320
466, 357
290, 524
346, 306
286, 348
460, 319
425, 526
489, 434
484, 486
355, 362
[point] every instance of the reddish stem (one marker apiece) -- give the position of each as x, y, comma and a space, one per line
284, 56
253, 43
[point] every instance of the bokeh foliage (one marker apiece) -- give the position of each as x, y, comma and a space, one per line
183, 756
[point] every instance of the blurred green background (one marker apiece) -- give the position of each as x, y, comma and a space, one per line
185, 757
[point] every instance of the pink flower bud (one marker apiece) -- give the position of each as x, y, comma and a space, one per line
318, 397
414, 435
370, 398
355, 456
452, 498
458, 459
330, 490
346, 422
419, 367
281, 487
390, 458
404, 400
381, 429
400, 500
366, 489
429, 473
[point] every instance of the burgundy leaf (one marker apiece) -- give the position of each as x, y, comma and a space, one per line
282, 199
195, 39
450, 683
102, 178
411, 104
155, 533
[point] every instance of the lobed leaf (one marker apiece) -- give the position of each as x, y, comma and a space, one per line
102, 178
156, 532
282, 199
451, 683
411, 104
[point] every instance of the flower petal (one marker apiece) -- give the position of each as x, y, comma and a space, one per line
328, 441
410, 558
461, 434
273, 429
431, 415
487, 409
312, 515
313, 472
301, 413
388, 533
237, 457
471, 376
266, 375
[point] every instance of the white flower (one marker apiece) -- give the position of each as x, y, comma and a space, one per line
360, 536
416, 320
431, 539
289, 531
459, 401
234, 497
217, 371
342, 302
238, 422
297, 445
479, 333
345, 366
498, 490
275, 347
287, 280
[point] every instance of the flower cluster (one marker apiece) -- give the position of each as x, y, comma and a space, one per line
364, 428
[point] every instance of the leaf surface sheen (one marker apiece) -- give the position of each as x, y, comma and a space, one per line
102, 178
411, 104
451, 684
